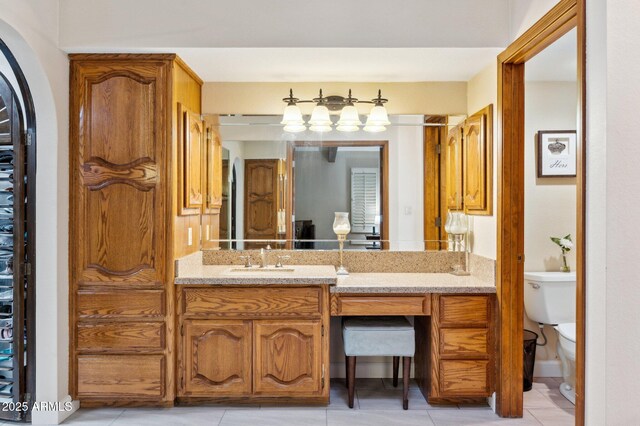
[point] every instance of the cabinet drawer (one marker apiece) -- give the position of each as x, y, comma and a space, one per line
121, 375
464, 378
464, 310
380, 305
253, 302
121, 336
464, 341
110, 304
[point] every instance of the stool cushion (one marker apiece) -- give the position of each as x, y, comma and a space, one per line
378, 336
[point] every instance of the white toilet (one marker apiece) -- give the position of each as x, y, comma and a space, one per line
550, 298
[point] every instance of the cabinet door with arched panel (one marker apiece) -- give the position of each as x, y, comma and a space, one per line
217, 357
288, 357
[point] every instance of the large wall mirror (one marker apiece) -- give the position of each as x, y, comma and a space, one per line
283, 189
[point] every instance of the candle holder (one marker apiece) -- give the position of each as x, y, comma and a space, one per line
457, 226
341, 227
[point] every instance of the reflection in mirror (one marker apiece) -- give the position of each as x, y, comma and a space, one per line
286, 187
337, 177
227, 219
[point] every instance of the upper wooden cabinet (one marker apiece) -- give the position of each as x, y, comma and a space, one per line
194, 147
469, 165
453, 169
122, 193
478, 163
214, 169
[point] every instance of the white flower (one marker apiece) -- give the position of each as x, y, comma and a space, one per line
565, 243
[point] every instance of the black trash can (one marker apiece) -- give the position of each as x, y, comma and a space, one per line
530, 339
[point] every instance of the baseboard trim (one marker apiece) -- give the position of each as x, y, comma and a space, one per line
46, 415
548, 368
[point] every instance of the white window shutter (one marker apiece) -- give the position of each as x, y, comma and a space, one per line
365, 199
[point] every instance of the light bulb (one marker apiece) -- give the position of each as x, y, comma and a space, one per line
295, 128
349, 119
292, 115
378, 116
320, 128
320, 116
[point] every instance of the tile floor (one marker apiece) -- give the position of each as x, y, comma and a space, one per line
377, 403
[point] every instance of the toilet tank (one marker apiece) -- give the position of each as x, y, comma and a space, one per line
550, 297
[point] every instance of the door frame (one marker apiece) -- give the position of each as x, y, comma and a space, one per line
384, 182
30, 226
563, 17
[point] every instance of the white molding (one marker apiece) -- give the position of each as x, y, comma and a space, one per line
548, 368
55, 417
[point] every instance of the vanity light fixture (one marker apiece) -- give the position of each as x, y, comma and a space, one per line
349, 120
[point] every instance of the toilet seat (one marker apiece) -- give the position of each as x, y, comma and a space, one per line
567, 330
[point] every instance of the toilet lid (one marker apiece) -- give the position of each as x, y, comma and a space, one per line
568, 330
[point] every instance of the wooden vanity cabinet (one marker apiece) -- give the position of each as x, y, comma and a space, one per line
455, 350
262, 343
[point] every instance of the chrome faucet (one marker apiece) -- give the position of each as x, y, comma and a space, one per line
264, 256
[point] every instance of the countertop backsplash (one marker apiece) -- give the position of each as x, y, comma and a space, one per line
363, 261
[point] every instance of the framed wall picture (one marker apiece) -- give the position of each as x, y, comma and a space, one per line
557, 153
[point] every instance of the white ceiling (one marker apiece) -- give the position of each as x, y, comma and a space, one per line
100, 24
338, 64
558, 62
301, 41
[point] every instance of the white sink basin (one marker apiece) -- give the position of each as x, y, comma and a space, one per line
254, 269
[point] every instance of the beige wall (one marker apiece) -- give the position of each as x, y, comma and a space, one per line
550, 203
482, 90
30, 30
619, 247
266, 98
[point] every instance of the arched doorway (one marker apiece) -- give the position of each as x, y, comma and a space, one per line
17, 243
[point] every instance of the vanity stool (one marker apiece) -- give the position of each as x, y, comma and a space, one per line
379, 336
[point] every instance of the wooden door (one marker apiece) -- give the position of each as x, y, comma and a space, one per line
434, 138
118, 224
477, 163
453, 169
288, 357
217, 357
224, 204
260, 193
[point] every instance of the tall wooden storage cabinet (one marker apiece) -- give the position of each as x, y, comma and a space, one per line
125, 229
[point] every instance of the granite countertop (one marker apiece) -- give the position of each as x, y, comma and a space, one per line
191, 271
237, 275
411, 283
